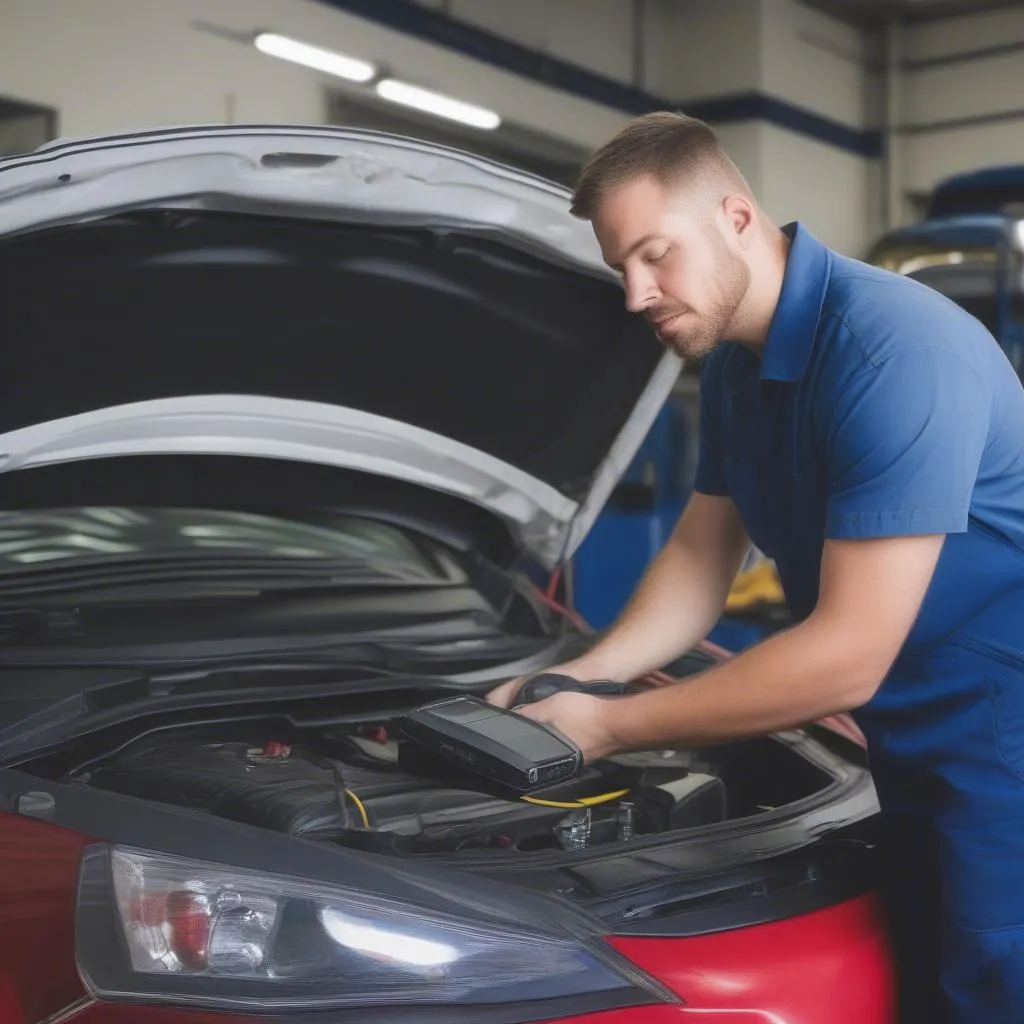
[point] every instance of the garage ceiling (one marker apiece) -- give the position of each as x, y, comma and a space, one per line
875, 12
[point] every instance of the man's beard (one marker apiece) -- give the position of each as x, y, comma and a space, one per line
699, 335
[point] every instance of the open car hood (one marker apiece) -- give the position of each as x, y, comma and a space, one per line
326, 296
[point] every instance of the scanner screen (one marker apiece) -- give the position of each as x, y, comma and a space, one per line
522, 735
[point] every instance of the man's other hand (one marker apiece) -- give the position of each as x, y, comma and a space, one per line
580, 717
504, 696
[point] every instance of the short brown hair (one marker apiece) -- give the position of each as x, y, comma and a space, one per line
669, 147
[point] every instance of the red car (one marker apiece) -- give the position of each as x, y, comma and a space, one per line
293, 417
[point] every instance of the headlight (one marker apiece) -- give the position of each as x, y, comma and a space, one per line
154, 927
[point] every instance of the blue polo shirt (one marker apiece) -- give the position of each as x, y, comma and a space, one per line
878, 408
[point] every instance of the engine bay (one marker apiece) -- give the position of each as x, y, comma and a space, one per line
347, 787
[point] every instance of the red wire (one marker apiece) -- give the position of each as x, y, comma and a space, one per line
714, 650
574, 617
842, 724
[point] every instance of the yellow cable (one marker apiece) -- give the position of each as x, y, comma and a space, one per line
603, 798
587, 801
359, 804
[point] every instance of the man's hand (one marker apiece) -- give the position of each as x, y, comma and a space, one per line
581, 718
676, 605
504, 696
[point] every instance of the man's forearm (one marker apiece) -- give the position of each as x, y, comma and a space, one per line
677, 603
869, 597
793, 678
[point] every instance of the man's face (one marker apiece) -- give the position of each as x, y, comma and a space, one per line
676, 266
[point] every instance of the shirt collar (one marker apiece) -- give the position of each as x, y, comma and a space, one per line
790, 338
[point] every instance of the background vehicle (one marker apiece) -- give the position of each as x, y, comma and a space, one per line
970, 246
294, 421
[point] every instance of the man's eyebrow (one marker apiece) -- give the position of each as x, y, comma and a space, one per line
633, 248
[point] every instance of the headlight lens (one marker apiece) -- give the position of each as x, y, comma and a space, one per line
202, 933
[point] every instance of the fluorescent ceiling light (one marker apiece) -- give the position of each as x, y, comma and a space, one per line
436, 103
314, 57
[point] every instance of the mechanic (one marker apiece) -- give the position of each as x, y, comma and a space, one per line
867, 434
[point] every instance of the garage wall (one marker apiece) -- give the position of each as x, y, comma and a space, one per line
695, 51
687, 48
173, 72
743, 143
801, 45
22, 133
111, 65
698, 50
836, 196
835, 192
593, 33
118, 64
962, 96
681, 50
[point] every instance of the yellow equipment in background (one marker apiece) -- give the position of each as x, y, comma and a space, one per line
757, 587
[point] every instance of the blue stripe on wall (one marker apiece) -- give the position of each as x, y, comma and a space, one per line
412, 19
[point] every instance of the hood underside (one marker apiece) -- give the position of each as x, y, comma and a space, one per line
338, 298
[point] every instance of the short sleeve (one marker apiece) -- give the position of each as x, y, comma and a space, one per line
710, 478
904, 443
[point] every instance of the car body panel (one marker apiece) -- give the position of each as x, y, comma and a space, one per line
832, 964
107, 1013
327, 176
783, 972
278, 428
38, 883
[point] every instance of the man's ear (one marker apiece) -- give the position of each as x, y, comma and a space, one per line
740, 219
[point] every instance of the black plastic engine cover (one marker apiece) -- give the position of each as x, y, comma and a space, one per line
301, 794
287, 793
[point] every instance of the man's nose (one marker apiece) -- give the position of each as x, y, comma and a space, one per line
640, 292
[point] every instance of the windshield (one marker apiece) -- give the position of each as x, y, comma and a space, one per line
95, 536
96, 598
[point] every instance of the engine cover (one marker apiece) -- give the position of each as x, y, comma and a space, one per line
296, 792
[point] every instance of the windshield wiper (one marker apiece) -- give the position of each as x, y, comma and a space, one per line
456, 627
346, 666
363, 667
230, 574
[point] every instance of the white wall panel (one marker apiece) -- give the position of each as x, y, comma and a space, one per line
966, 89
813, 61
956, 35
595, 34
930, 158
124, 63
829, 191
742, 141
962, 90
116, 64
121, 64
698, 49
